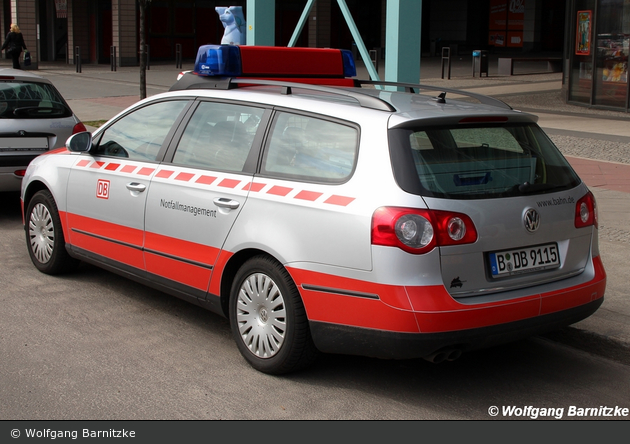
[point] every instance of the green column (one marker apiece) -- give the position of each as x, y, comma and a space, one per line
261, 22
402, 41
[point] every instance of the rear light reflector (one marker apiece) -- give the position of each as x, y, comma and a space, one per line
420, 231
79, 128
19, 173
586, 212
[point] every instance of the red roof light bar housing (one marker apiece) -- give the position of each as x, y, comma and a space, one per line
273, 62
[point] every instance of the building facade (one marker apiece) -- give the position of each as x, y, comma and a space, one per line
56, 30
597, 48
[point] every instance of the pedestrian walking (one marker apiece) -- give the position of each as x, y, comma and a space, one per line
14, 43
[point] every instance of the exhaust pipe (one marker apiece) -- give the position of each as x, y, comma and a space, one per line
444, 355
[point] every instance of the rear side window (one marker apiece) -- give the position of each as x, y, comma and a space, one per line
31, 101
219, 136
310, 148
478, 162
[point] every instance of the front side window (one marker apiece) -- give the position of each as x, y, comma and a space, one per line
309, 148
219, 136
139, 135
478, 162
26, 100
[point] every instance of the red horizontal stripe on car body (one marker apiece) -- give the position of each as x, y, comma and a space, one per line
178, 271
108, 230
191, 251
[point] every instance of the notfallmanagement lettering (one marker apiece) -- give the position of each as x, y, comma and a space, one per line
191, 209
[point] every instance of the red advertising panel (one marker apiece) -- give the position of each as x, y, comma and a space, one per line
506, 23
516, 15
498, 15
583, 34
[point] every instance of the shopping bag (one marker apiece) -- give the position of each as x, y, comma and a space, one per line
27, 58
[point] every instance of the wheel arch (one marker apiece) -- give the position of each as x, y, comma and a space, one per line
231, 268
33, 188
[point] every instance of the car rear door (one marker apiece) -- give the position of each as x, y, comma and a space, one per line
194, 200
107, 189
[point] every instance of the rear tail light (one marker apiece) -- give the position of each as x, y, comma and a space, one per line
586, 212
19, 173
79, 128
420, 231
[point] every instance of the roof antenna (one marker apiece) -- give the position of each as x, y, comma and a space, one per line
441, 98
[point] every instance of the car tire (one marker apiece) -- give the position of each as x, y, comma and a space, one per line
268, 318
44, 236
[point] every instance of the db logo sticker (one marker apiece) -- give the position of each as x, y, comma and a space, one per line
102, 189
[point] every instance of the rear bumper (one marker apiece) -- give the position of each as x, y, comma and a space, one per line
344, 339
410, 322
9, 181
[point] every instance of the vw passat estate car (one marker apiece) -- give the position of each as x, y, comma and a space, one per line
323, 214
34, 118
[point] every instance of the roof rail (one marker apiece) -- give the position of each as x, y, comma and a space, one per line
412, 87
192, 81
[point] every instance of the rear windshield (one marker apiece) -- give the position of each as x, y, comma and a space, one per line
478, 162
25, 100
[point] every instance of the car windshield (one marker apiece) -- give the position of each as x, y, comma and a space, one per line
28, 100
478, 162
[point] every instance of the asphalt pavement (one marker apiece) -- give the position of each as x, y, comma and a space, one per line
596, 143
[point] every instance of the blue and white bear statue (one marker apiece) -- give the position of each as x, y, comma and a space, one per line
234, 23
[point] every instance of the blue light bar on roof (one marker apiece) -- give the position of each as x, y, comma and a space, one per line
274, 62
349, 67
218, 60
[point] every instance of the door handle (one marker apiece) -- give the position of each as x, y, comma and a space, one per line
135, 186
224, 202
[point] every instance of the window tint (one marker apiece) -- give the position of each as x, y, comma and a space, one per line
140, 134
31, 100
218, 136
309, 148
478, 162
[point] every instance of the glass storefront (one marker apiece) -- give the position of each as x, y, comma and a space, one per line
599, 53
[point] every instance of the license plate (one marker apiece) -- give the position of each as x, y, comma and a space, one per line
524, 260
23, 143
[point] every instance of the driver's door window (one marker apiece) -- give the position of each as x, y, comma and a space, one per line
140, 134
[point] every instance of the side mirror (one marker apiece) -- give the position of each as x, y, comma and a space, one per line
80, 142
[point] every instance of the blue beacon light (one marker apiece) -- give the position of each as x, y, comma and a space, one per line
218, 60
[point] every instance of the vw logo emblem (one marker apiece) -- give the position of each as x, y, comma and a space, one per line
531, 220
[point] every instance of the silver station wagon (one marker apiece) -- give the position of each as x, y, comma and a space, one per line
320, 213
